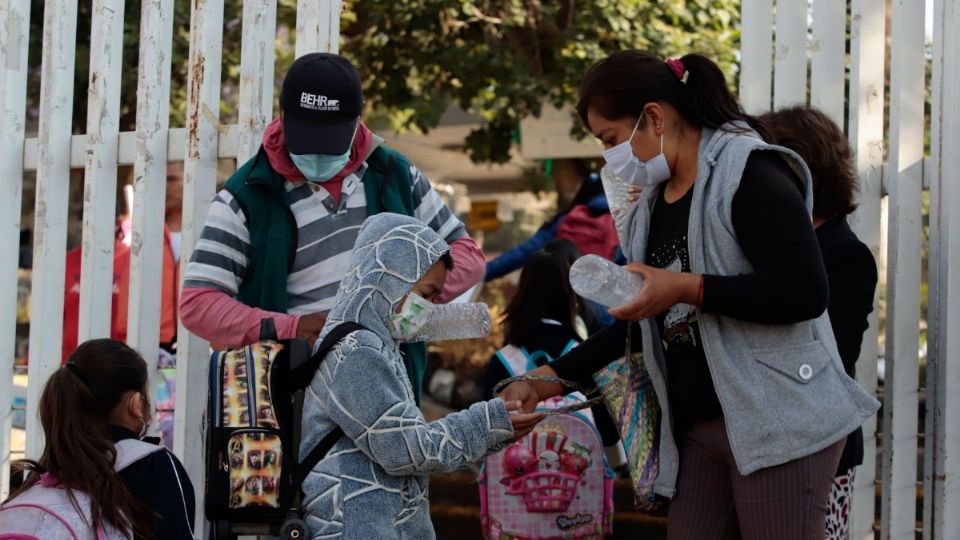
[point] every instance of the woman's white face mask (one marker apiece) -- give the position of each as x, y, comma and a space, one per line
625, 165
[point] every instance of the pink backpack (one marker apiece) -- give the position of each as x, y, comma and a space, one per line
45, 511
554, 483
593, 235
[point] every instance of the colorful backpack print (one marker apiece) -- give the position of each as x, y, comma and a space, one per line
553, 483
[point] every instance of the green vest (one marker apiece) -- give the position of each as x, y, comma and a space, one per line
265, 203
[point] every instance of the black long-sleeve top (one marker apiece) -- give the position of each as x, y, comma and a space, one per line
852, 273
788, 285
160, 482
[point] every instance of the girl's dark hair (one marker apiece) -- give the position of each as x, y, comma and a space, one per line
621, 84
74, 406
543, 293
823, 146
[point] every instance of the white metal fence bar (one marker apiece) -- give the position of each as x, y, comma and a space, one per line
318, 26
827, 58
256, 74
199, 185
100, 183
53, 189
14, 34
756, 53
942, 476
127, 151
867, 53
903, 271
150, 176
790, 71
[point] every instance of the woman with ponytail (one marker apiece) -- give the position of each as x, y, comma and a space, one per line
755, 403
93, 411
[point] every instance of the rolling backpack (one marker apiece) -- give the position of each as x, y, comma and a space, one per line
45, 510
254, 471
554, 483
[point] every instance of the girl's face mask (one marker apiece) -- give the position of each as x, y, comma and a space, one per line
626, 166
413, 315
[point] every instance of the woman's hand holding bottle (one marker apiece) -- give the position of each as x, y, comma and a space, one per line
661, 290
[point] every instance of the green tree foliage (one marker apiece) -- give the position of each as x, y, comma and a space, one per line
498, 59
502, 59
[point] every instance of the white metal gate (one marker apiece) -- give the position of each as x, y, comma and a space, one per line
776, 51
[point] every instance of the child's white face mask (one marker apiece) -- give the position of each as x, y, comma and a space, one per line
414, 314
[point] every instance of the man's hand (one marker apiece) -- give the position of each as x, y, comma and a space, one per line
310, 325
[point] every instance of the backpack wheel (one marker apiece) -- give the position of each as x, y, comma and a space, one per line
294, 529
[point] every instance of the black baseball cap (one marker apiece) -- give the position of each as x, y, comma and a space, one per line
321, 100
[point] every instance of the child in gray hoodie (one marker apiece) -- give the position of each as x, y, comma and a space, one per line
373, 482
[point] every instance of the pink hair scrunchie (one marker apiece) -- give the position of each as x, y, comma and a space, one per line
676, 66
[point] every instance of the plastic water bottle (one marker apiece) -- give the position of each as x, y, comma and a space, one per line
616, 191
604, 282
456, 321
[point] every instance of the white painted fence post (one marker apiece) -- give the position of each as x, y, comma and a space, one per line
756, 53
868, 49
827, 58
256, 74
53, 192
150, 176
199, 186
903, 271
318, 26
100, 184
790, 71
942, 476
14, 35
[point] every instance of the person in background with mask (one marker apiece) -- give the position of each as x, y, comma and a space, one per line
756, 405
280, 234
373, 483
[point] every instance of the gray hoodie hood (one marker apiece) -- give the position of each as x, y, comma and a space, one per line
392, 252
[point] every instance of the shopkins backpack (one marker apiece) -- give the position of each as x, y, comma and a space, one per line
554, 483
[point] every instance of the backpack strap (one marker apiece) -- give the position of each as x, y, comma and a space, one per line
130, 451
299, 377
305, 372
515, 359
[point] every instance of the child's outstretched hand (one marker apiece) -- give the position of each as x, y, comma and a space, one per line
523, 423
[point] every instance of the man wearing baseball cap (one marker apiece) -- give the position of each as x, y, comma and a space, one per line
280, 234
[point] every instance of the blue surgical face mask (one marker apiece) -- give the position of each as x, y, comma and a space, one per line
320, 167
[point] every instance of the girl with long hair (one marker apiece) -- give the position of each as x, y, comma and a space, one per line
755, 403
88, 408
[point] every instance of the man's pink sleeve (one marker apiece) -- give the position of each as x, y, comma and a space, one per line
468, 268
221, 319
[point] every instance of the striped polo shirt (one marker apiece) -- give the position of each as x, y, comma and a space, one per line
326, 232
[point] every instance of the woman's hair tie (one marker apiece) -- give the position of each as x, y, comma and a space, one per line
676, 66
72, 368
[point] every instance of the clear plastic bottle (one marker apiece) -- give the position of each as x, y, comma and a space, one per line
456, 321
603, 281
616, 191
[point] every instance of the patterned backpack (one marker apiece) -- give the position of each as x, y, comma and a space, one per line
45, 510
553, 483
